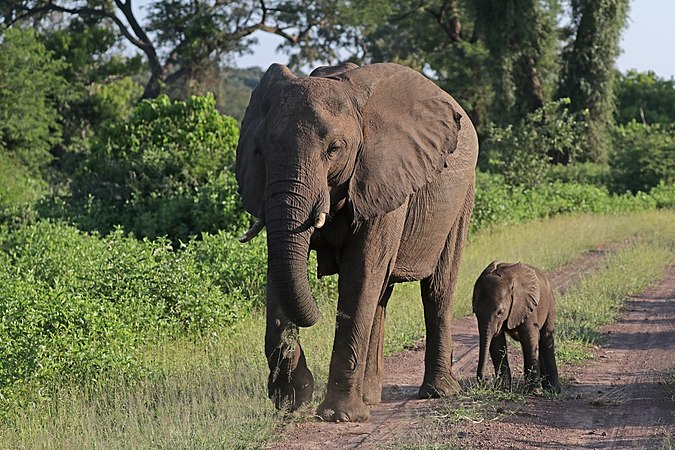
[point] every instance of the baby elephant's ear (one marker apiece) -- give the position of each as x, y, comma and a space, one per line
524, 290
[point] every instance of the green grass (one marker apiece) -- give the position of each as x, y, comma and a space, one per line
210, 392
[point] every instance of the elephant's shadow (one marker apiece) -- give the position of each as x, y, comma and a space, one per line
394, 393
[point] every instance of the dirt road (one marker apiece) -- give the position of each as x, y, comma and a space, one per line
618, 400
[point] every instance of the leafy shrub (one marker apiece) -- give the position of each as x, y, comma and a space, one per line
19, 186
166, 170
522, 153
643, 156
74, 305
498, 203
580, 173
664, 195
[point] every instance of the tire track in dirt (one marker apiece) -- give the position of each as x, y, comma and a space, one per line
401, 411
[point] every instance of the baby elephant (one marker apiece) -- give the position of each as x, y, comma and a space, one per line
516, 299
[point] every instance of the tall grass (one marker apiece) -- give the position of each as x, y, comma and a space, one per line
209, 392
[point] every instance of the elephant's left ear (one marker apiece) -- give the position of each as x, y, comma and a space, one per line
524, 290
410, 128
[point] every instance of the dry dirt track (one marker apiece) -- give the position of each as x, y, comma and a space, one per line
619, 400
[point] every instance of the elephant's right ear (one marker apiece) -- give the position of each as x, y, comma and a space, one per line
250, 165
524, 290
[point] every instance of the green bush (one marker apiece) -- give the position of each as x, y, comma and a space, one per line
164, 171
498, 203
664, 195
30, 89
74, 305
643, 156
18, 186
580, 173
523, 153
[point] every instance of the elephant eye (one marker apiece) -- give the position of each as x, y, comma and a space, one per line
333, 149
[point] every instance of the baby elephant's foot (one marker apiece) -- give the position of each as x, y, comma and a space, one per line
551, 387
440, 387
348, 409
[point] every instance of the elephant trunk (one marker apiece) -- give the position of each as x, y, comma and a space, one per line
289, 229
484, 348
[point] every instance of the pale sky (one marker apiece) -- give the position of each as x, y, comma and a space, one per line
648, 42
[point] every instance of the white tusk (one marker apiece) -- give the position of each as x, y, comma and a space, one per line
253, 231
320, 220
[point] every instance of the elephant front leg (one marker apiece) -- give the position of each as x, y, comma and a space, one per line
290, 383
500, 361
344, 400
363, 282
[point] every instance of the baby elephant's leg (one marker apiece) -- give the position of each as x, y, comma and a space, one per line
549, 369
500, 360
529, 340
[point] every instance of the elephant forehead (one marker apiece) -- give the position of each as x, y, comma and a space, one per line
318, 97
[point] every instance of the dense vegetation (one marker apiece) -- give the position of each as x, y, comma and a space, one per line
119, 216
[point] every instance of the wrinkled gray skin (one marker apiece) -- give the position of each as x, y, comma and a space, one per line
373, 168
516, 299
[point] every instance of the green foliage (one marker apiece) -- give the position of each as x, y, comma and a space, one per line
580, 173
522, 153
588, 74
166, 170
19, 186
76, 306
498, 203
29, 91
644, 95
643, 156
664, 195
522, 42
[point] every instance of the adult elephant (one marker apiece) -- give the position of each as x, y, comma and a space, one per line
373, 168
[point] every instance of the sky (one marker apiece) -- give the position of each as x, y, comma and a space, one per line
648, 42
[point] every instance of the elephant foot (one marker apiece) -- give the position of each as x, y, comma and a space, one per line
343, 410
289, 393
552, 387
440, 388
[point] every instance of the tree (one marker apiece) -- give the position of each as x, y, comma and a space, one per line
30, 89
588, 74
497, 58
645, 97
521, 39
181, 37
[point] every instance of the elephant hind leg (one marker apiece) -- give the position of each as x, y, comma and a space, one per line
374, 372
547, 364
438, 292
